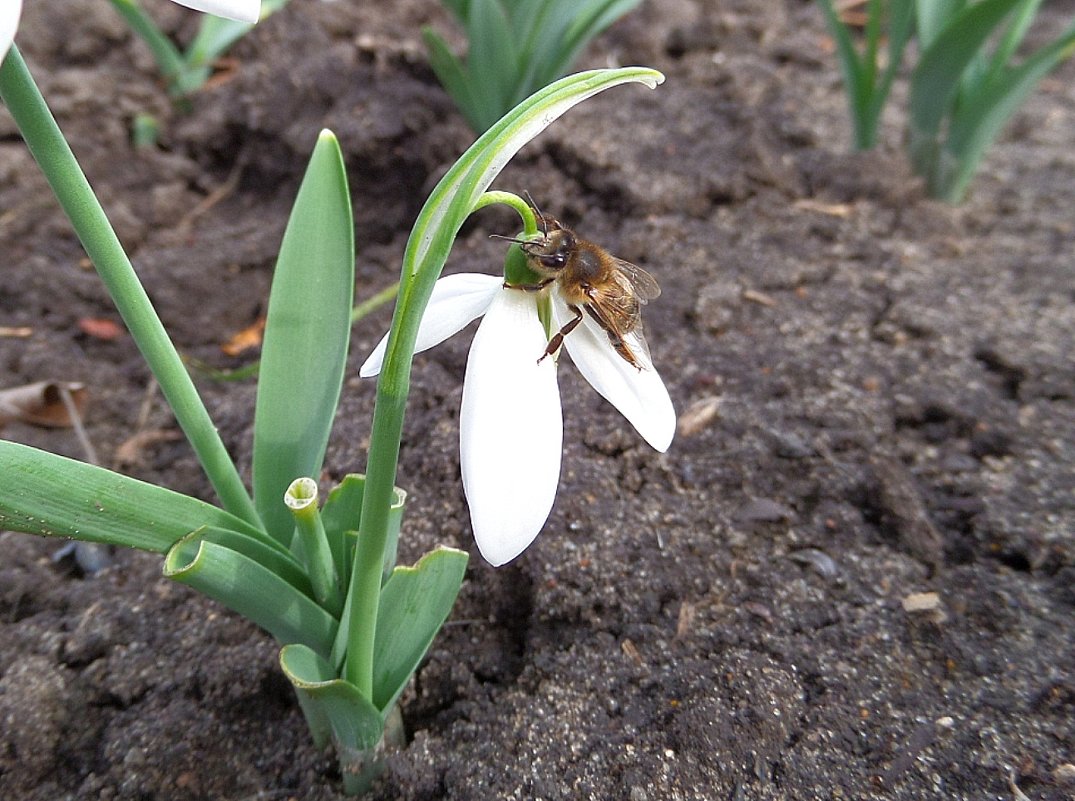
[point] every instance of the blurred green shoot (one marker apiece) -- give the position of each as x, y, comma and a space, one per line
515, 47
186, 71
867, 76
321, 578
965, 85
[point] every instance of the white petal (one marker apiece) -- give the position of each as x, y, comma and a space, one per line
640, 395
9, 23
456, 300
511, 429
242, 10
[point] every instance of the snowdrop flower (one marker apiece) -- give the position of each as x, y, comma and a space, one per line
511, 424
242, 10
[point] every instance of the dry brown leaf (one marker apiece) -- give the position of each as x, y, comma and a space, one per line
698, 415
247, 339
130, 450
100, 328
41, 403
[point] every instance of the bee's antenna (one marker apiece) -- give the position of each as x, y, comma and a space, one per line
537, 211
508, 239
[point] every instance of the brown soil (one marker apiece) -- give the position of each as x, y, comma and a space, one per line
877, 397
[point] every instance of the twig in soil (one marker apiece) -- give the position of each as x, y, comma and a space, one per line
1017, 794
76, 423
213, 198
147, 404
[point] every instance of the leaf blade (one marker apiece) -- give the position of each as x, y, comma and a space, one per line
52, 495
252, 590
307, 332
415, 602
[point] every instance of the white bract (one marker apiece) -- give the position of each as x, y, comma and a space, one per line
511, 424
242, 10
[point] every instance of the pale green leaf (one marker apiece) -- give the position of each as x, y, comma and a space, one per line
491, 59
54, 496
453, 77
252, 590
341, 515
932, 16
307, 330
941, 67
415, 602
979, 123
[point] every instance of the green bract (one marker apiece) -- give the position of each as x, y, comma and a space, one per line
324, 582
964, 87
515, 47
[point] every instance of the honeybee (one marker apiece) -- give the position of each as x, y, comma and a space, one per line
592, 281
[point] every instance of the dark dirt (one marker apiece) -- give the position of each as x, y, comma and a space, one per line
877, 400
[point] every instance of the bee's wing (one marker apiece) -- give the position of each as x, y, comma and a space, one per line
636, 341
644, 285
616, 311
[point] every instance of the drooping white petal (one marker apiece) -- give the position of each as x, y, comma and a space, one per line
456, 300
511, 429
242, 10
9, 23
640, 395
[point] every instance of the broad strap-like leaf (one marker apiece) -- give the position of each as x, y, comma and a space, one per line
940, 69
454, 77
1025, 12
250, 589
932, 15
269, 556
979, 122
306, 335
590, 20
55, 496
415, 602
491, 59
341, 514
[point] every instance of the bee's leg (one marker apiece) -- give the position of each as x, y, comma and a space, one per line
530, 287
558, 338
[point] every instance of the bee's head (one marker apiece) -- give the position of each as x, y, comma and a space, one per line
550, 253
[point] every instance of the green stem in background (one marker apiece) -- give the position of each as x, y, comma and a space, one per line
392, 390
61, 169
360, 311
169, 60
370, 304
